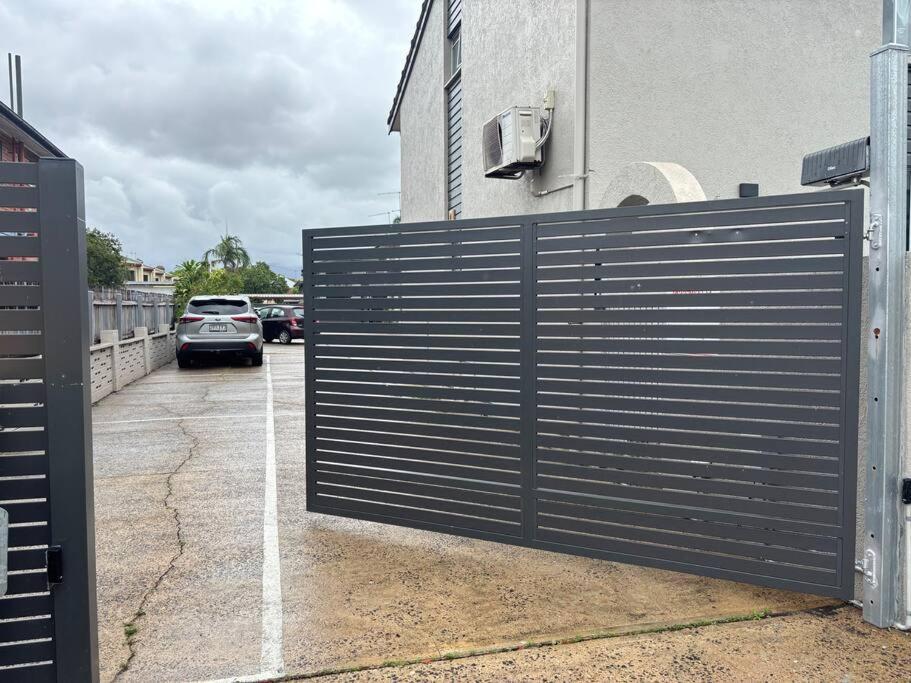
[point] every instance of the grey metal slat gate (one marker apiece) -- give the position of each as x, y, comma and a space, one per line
47, 632
672, 386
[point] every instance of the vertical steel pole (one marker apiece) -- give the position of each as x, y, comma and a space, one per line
888, 226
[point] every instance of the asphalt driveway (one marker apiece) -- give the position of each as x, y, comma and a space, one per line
209, 568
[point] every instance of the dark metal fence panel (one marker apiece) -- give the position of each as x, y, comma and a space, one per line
674, 386
47, 632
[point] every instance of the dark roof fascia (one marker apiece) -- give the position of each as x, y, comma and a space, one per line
31, 134
392, 119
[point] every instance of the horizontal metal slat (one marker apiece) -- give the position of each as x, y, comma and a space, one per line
14, 607
391, 239
454, 522
397, 278
20, 221
436, 302
410, 353
368, 293
31, 535
458, 481
680, 555
690, 525
634, 359
23, 441
696, 423
589, 376
387, 481
323, 316
408, 366
781, 266
427, 502
31, 629
420, 379
24, 512
418, 404
690, 286
17, 172
384, 254
478, 396
19, 295
34, 558
553, 406
694, 316
22, 465
21, 368
22, 416
432, 437
408, 460
714, 466
22, 197
708, 486
25, 320
582, 436
683, 298
760, 347
508, 261
32, 582
700, 220
706, 331
19, 271
452, 342
745, 506
707, 452
22, 392
19, 247
683, 539
23, 489
439, 418
24, 653
761, 250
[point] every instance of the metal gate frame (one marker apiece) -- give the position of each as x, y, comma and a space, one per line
851, 208
49, 496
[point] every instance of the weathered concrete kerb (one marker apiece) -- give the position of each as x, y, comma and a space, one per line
181, 465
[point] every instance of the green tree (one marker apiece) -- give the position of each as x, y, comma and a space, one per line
105, 259
261, 279
229, 253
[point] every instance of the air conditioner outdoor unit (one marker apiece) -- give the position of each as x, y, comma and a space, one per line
511, 143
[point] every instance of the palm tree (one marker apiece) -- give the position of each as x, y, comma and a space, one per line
188, 270
229, 253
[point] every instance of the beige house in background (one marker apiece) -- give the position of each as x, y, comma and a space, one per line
656, 100
140, 272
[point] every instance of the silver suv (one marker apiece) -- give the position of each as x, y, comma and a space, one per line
219, 324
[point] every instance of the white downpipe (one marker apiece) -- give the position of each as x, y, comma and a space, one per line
580, 132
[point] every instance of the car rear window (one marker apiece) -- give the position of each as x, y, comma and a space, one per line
216, 306
299, 312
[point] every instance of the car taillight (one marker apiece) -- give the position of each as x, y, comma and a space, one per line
191, 318
244, 318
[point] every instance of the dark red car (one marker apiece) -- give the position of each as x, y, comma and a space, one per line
284, 323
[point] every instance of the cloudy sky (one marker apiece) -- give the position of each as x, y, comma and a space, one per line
186, 114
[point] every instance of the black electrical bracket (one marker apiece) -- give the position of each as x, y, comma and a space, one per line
906, 491
54, 564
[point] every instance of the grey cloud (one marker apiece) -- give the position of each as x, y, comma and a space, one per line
267, 114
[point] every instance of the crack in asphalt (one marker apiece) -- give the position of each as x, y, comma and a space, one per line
130, 627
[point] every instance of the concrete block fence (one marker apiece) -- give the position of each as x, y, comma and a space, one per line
117, 362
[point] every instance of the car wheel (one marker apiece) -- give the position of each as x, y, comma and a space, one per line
184, 360
284, 337
257, 359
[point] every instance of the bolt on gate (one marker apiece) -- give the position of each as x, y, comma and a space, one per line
672, 386
47, 615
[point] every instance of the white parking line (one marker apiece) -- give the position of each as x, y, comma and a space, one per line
272, 659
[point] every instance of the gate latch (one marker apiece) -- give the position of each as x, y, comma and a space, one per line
872, 233
906, 491
867, 567
54, 564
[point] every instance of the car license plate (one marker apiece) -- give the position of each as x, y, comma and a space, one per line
218, 328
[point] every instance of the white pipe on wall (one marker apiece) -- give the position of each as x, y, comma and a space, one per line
580, 132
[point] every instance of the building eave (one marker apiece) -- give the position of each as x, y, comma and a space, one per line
18, 128
392, 121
